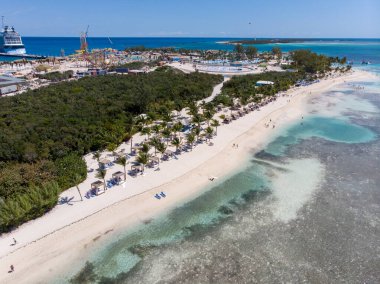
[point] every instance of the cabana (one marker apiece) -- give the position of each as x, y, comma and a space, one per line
118, 177
227, 119
153, 161
168, 154
119, 155
104, 163
134, 149
137, 168
98, 187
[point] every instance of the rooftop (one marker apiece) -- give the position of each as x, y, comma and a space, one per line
7, 81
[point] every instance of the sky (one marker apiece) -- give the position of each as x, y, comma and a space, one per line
195, 18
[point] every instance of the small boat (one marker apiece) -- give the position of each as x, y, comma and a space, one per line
365, 62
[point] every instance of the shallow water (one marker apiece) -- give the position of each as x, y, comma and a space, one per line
306, 208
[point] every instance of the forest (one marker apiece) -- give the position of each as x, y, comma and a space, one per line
45, 132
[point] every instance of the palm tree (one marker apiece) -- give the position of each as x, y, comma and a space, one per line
96, 155
77, 180
197, 132
156, 128
193, 109
111, 147
209, 107
102, 174
198, 119
208, 116
145, 148
146, 131
209, 132
177, 143
178, 107
143, 158
161, 147
177, 127
123, 161
203, 105
151, 116
215, 123
154, 142
190, 140
167, 117
140, 120
167, 134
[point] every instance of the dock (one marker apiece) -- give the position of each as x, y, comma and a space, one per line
27, 56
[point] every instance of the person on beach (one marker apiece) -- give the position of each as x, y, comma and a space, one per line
12, 268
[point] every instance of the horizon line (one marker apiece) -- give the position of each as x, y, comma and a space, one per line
56, 36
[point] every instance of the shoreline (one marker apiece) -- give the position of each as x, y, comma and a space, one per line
188, 180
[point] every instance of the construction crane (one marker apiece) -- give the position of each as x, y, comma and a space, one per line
95, 58
83, 41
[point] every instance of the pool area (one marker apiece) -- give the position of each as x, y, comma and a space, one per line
225, 69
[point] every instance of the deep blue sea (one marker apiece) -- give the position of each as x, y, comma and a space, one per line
354, 49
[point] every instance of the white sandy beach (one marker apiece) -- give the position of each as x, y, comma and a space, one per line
47, 246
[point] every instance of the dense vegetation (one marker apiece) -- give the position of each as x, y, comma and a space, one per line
136, 65
244, 87
57, 76
44, 132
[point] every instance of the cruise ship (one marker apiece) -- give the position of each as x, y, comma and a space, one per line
11, 42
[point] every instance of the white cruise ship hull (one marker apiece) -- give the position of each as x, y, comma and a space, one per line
15, 51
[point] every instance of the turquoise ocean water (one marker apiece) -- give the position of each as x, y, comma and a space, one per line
304, 209
353, 49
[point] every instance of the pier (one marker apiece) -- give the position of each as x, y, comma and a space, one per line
28, 56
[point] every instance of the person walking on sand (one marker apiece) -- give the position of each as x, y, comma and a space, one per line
12, 268
14, 242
